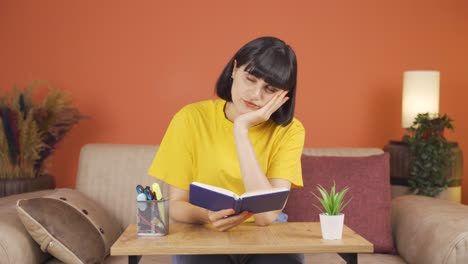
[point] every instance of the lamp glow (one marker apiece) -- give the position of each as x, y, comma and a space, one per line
420, 95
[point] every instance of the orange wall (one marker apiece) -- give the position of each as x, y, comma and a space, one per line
131, 65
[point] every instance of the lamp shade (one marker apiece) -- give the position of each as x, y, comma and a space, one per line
420, 95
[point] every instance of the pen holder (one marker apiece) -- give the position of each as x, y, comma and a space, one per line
153, 217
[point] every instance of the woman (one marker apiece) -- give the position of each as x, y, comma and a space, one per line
248, 140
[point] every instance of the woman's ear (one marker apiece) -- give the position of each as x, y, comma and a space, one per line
234, 69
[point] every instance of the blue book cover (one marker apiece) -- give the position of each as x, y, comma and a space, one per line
215, 198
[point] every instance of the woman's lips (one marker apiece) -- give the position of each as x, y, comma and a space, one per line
251, 105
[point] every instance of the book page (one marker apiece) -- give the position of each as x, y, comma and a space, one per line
217, 189
260, 192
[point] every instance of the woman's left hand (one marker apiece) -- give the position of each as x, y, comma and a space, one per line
262, 114
223, 220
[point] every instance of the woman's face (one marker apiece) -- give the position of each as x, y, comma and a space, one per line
248, 92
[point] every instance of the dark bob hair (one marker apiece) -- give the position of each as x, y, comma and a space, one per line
272, 60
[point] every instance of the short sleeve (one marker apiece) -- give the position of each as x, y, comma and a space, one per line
173, 161
286, 160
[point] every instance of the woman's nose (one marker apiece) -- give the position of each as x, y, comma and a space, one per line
256, 91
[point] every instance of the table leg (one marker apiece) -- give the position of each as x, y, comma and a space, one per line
133, 259
350, 258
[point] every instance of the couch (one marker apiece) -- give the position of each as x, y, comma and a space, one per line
424, 230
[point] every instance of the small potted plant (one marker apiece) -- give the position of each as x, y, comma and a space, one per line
331, 217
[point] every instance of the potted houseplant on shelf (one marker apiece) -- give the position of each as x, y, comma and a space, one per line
29, 133
430, 154
331, 217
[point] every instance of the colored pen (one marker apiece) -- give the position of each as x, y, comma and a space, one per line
140, 189
149, 193
161, 208
157, 191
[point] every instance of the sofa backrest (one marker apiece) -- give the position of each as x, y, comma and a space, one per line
109, 173
342, 152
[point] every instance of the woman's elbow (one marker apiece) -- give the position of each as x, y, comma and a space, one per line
265, 220
263, 223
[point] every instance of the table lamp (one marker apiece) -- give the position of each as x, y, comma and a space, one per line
420, 95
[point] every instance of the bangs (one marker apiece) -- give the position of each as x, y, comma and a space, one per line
274, 67
269, 59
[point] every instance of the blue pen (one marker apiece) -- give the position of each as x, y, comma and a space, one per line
140, 189
149, 193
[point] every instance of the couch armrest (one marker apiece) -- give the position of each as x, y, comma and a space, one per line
430, 230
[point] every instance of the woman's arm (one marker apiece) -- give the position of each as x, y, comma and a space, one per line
252, 174
182, 211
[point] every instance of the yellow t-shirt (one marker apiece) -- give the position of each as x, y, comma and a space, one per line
199, 146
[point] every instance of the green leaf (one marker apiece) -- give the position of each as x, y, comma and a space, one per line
333, 201
430, 153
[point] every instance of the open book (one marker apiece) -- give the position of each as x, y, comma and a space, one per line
215, 198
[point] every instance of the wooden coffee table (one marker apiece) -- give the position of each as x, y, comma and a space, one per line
187, 239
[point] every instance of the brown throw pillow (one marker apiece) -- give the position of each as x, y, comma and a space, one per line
368, 178
69, 226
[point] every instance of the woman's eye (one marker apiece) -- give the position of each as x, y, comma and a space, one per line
270, 89
250, 79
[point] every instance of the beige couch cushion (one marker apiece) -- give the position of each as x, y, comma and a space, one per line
69, 226
430, 231
119, 168
16, 245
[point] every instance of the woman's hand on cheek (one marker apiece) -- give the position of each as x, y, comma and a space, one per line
224, 220
262, 114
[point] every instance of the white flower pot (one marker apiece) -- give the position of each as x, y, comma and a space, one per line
332, 226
